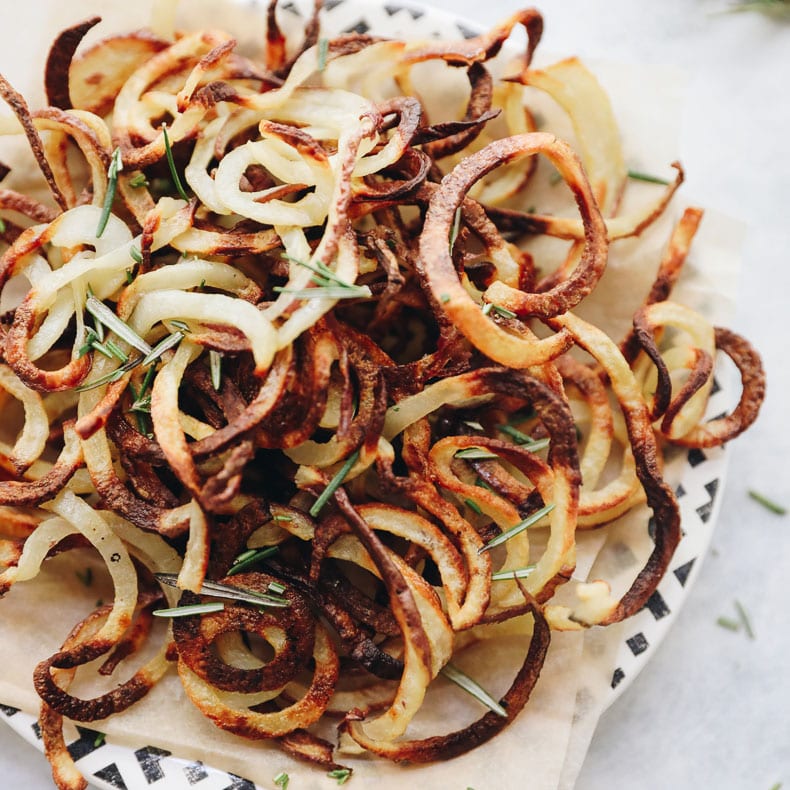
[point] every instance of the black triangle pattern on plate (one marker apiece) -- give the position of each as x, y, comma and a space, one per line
88, 741
360, 27
330, 4
680, 491
715, 387
112, 776
682, 572
290, 7
704, 511
617, 676
239, 783
149, 758
36, 727
7, 710
195, 772
465, 31
414, 13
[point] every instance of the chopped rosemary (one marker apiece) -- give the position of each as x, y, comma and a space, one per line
334, 484
135, 255
728, 623
461, 679
282, 779
327, 292
229, 591
472, 505
767, 503
744, 618
323, 51
516, 573
117, 351
480, 483
276, 588
282, 517
99, 739
2, 225
165, 344
116, 164
444, 298
637, 176
249, 558
106, 317
130, 276
341, 774
503, 311
476, 454
110, 377
525, 440
172, 165
215, 363
86, 576
326, 280
520, 527
456, 228
181, 326
188, 611
101, 348
138, 181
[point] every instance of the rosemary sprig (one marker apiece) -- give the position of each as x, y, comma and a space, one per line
516, 573
327, 292
334, 484
456, 228
107, 318
635, 175
172, 165
110, 377
473, 506
520, 527
116, 165
165, 344
249, 558
281, 780
728, 623
342, 775
503, 311
323, 51
323, 276
228, 591
461, 679
215, 365
744, 618
767, 503
181, 326
476, 454
188, 611
138, 181
523, 439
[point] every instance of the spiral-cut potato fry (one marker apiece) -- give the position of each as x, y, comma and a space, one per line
280, 341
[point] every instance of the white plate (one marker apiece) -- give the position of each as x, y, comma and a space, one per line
109, 765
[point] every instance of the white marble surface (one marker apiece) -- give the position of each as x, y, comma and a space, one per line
712, 709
